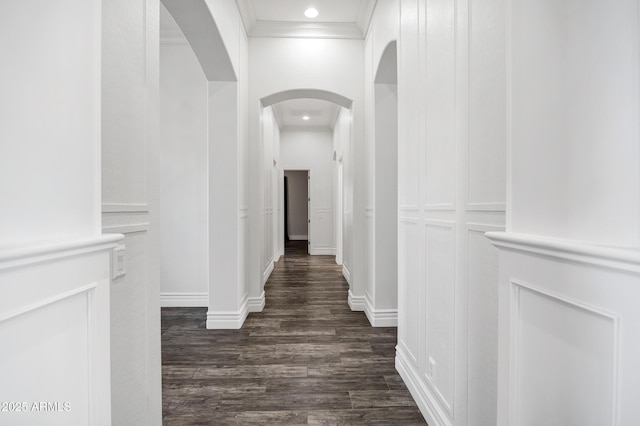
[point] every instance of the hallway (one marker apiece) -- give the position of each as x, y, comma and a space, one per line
306, 359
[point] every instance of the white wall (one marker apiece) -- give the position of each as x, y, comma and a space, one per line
271, 149
183, 175
216, 34
54, 264
452, 189
283, 64
130, 87
312, 150
298, 205
48, 96
570, 259
342, 147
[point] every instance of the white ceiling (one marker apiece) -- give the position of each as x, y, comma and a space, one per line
322, 114
285, 18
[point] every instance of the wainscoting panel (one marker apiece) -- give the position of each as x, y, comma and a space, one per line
482, 325
486, 141
561, 346
54, 316
440, 106
409, 289
567, 333
440, 303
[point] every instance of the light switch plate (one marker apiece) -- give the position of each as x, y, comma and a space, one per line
118, 264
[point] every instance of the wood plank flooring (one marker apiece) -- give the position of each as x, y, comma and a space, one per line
305, 360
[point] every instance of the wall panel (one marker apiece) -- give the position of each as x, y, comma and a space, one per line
440, 106
482, 323
439, 303
487, 106
409, 279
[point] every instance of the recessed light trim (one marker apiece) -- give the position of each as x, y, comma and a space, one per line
311, 12
305, 117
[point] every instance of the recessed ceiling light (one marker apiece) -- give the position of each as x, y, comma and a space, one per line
311, 12
305, 117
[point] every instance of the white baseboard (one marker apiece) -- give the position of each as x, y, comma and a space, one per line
228, 320
256, 304
323, 251
356, 303
184, 300
267, 272
380, 317
433, 414
346, 274
298, 237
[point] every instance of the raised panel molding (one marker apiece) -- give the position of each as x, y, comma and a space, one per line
482, 324
409, 288
62, 288
124, 208
127, 229
433, 413
578, 346
439, 299
23, 256
616, 259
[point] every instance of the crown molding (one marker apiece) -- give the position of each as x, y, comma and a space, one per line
365, 14
306, 30
247, 14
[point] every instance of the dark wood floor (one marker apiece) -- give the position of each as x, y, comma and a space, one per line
306, 359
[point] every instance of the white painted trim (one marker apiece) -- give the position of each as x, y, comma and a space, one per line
365, 15
228, 320
247, 13
346, 273
184, 300
323, 251
124, 208
429, 408
126, 229
22, 256
617, 259
298, 237
306, 30
233, 320
380, 317
256, 304
486, 207
267, 272
356, 303
51, 300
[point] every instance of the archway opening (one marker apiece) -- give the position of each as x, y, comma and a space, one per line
310, 130
382, 304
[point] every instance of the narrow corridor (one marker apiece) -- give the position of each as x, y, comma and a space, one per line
306, 359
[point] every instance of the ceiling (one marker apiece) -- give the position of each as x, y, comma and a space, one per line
345, 19
285, 18
322, 114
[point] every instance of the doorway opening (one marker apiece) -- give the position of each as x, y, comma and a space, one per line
296, 206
